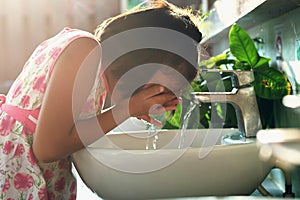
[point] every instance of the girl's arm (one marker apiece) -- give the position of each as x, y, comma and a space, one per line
53, 138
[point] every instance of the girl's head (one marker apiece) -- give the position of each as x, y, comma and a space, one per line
175, 48
157, 13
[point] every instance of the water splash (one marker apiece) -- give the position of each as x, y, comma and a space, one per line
152, 131
185, 123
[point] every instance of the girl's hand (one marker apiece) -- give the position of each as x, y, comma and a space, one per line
151, 120
152, 100
171, 105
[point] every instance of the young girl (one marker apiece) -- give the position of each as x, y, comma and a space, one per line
50, 110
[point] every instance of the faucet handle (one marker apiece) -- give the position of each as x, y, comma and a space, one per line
243, 78
240, 78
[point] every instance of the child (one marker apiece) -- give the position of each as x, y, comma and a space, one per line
50, 111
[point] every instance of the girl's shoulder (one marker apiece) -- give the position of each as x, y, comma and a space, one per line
71, 34
68, 35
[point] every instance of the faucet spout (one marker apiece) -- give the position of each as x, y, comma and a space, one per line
243, 100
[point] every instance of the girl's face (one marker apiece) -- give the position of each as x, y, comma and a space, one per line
138, 69
174, 84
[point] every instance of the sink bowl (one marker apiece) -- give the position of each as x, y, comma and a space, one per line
171, 164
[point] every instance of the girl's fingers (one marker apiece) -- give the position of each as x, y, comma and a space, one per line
147, 118
158, 109
164, 100
156, 122
152, 91
152, 100
172, 107
157, 94
173, 102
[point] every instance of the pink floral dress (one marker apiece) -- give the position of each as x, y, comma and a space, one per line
21, 176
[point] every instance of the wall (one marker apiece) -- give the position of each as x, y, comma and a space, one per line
26, 23
290, 31
284, 117
287, 22
289, 25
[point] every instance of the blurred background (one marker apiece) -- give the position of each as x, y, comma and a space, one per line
26, 23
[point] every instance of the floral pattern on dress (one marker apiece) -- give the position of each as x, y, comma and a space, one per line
21, 176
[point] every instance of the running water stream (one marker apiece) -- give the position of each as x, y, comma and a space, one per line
186, 119
153, 132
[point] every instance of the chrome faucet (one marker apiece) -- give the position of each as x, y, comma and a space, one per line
242, 97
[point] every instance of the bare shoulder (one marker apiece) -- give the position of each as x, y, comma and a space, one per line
79, 49
52, 139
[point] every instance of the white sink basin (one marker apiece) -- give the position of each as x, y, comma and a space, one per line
118, 166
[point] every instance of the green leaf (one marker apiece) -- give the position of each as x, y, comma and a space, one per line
261, 62
242, 46
242, 66
270, 83
174, 121
211, 62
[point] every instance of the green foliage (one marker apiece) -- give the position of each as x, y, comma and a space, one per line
269, 84
173, 120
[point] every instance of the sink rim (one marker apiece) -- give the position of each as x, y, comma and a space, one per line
142, 135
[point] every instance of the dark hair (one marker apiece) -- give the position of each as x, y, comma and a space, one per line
160, 14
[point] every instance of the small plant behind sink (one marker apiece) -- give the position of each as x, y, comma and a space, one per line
270, 84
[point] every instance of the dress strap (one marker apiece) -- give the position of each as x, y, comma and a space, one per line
2, 99
28, 118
